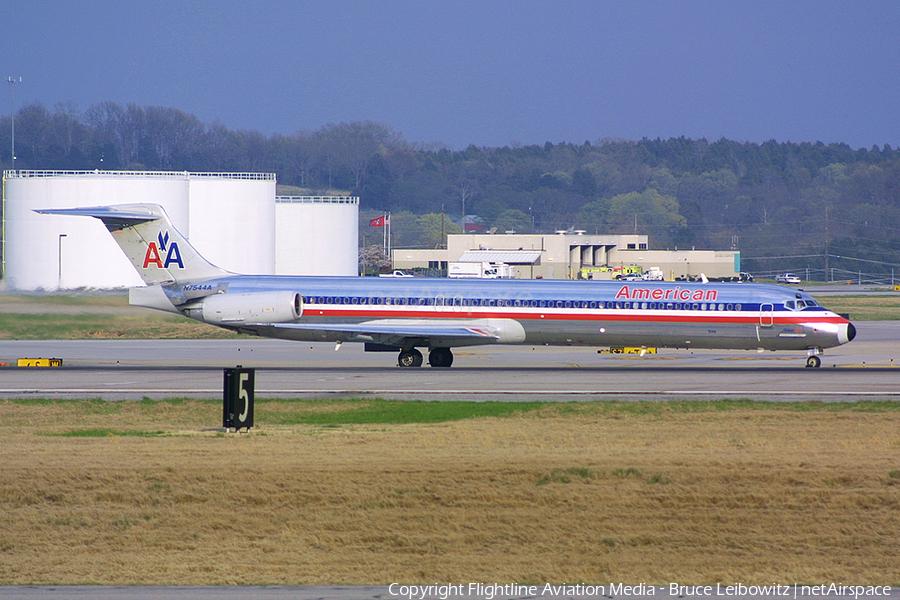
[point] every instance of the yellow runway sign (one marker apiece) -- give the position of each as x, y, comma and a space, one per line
628, 350
39, 362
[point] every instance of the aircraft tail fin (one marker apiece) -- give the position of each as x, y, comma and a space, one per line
159, 253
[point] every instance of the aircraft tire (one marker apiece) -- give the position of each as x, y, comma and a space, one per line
440, 357
410, 358
813, 362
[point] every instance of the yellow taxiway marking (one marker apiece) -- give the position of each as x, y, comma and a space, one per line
762, 358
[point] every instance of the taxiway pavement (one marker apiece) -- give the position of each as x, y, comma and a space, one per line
133, 369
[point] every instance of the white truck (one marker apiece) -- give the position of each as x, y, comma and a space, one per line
653, 274
479, 270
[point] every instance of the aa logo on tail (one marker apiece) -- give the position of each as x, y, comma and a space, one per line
155, 252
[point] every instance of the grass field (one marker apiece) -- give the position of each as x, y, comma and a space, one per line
373, 492
865, 308
93, 316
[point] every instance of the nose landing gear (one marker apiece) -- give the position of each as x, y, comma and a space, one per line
813, 361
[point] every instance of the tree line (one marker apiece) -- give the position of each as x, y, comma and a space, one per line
785, 206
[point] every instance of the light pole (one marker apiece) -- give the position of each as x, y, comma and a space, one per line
12, 94
59, 255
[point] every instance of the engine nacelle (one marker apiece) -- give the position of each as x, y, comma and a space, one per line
255, 307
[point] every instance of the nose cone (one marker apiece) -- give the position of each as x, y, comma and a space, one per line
846, 332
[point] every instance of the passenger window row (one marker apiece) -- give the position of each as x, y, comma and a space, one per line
494, 302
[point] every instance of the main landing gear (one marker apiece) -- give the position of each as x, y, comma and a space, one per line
410, 358
438, 357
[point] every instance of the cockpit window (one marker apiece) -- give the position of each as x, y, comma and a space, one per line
800, 304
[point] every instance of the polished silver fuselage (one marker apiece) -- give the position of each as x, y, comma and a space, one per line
583, 313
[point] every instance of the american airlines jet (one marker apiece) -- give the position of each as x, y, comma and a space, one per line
404, 314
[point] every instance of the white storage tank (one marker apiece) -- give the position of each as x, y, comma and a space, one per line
233, 220
47, 252
317, 235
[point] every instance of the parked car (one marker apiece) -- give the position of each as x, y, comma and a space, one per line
630, 277
787, 278
399, 274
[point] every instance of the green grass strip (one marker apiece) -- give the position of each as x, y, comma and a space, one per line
372, 412
379, 411
99, 433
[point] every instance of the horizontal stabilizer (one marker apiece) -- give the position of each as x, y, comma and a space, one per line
117, 216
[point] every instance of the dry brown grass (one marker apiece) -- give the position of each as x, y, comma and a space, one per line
751, 496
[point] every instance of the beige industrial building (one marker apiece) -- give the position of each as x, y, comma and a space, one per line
571, 255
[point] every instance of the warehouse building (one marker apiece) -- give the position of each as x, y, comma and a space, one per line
571, 255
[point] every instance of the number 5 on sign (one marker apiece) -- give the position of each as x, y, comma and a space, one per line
237, 406
244, 395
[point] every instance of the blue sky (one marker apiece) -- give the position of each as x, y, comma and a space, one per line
489, 73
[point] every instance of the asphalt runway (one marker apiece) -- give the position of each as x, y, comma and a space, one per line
134, 369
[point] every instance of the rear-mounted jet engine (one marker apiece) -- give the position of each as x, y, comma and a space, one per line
257, 307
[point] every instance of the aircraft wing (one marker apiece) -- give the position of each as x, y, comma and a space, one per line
395, 333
